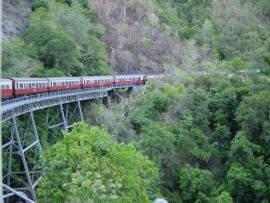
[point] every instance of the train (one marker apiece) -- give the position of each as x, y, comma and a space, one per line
15, 87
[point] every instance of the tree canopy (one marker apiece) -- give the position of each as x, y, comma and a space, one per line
87, 166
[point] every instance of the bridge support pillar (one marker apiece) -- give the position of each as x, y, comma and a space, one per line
20, 152
23, 159
80, 110
64, 117
70, 113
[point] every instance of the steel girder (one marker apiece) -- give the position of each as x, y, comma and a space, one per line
22, 146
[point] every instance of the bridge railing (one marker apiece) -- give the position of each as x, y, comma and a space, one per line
47, 95
25, 104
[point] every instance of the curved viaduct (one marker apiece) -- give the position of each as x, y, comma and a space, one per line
21, 148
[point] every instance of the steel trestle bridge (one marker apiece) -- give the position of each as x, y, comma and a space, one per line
21, 147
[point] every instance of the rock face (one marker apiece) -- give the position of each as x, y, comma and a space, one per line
14, 17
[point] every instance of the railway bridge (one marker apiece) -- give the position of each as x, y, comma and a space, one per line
21, 147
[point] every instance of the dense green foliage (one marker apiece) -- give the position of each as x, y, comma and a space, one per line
64, 37
60, 40
208, 136
87, 166
205, 127
233, 31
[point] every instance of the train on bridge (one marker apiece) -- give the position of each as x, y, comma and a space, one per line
14, 87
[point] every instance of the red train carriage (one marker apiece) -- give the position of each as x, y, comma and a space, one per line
129, 79
23, 86
98, 81
6, 88
56, 84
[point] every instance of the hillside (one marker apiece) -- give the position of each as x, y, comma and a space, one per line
201, 134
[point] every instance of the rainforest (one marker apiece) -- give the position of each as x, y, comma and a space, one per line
200, 133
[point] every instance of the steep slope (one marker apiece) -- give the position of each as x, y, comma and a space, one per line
15, 17
140, 39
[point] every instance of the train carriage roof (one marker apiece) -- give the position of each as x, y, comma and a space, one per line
97, 77
5, 81
30, 79
129, 76
64, 78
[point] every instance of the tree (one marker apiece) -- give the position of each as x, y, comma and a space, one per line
195, 184
253, 116
224, 197
240, 180
55, 49
87, 166
243, 151
196, 102
157, 143
19, 59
